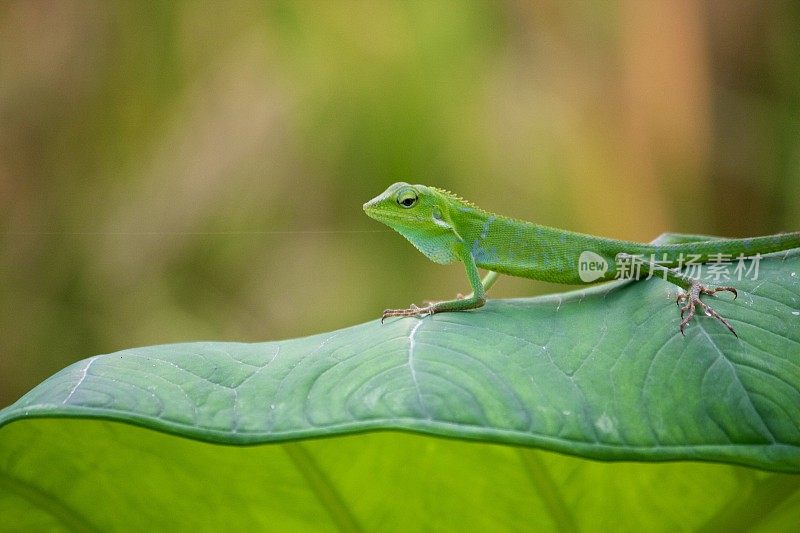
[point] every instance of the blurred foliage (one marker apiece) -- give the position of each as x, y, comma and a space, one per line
174, 171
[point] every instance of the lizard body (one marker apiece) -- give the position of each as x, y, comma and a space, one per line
447, 228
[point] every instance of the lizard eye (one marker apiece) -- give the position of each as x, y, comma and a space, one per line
407, 198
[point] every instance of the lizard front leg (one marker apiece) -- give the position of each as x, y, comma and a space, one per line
474, 300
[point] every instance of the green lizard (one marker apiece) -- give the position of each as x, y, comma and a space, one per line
447, 228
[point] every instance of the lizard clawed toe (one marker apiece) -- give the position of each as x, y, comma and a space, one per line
692, 299
414, 310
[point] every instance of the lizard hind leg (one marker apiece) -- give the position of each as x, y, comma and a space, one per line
693, 289
692, 300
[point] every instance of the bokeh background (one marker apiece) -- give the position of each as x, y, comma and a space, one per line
180, 170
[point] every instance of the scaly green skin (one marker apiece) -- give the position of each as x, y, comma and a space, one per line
447, 228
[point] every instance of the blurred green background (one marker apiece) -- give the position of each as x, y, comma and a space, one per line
175, 171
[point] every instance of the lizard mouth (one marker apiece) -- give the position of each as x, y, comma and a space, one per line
373, 210
369, 205
390, 218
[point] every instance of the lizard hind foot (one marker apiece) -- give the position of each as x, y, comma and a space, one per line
692, 301
414, 310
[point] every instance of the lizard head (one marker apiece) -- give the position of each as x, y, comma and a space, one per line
421, 215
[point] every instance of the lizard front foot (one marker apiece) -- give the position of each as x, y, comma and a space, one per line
411, 311
692, 299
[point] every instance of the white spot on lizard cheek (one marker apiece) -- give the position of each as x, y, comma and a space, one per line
793, 274
796, 313
605, 424
566, 413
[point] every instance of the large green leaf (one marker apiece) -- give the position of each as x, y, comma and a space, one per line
85, 475
601, 373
